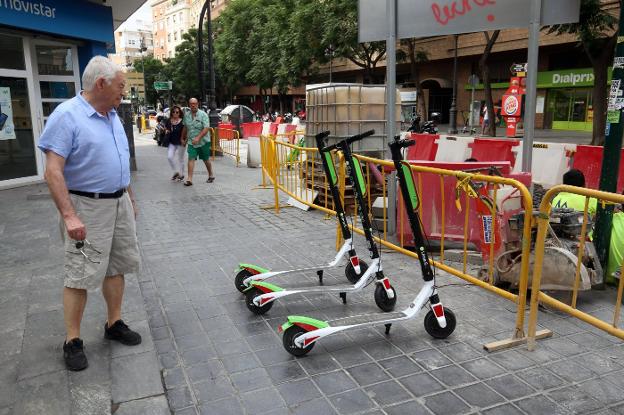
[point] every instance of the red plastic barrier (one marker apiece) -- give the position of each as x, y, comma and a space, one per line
431, 199
487, 149
425, 148
588, 159
227, 126
273, 128
252, 129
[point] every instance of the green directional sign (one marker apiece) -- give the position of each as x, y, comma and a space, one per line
163, 85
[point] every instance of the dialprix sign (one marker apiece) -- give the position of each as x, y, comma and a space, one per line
421, 18
72, 18
568, 78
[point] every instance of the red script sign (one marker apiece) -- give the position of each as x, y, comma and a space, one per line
446, 13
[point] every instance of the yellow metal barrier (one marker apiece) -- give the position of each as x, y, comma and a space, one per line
493, 182
227, 141
538, 296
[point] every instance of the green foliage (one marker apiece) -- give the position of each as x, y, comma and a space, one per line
182, 68
154, 71
594, 23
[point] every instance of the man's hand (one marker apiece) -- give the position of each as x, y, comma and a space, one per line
75, 228
196, 140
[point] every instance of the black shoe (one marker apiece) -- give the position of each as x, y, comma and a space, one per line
120, 332
73, 353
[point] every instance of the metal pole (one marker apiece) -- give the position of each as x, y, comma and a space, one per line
611, 152
453, 111
472, 121
391, 9
531, 86
200, 51
212, 104
143, 49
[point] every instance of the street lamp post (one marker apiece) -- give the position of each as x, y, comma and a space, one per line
210, 97
453, 112
143, 49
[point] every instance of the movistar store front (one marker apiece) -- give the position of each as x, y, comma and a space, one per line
44, 46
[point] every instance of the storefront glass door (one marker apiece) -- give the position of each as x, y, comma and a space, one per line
19, 159
571, 109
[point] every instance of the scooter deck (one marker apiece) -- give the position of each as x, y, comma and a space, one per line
367, 318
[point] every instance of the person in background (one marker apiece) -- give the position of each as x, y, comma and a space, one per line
177, 143
486, 120
88, 174
197, 127
574, 177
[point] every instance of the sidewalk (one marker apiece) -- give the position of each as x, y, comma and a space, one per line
205, 353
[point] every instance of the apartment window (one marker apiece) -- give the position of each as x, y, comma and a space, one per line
168, 21
175, 35
181, 17
174, 16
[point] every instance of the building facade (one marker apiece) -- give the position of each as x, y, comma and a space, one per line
171, 19
43, 56
129, 39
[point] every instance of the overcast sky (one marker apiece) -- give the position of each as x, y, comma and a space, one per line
143, 13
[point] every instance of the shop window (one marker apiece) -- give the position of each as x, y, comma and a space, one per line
12, 53
57, 89
55, 60
17, 144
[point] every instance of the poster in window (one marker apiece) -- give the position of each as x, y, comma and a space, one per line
7, 128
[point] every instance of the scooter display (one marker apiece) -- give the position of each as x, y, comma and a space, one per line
300, 334
260, 295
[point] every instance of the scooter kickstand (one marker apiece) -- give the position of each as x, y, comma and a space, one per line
320, 276
344, 298
388, 328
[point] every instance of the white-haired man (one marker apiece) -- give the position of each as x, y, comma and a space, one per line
88, 174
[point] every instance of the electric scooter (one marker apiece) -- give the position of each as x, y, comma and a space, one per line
246, 273
260, 295
300, 334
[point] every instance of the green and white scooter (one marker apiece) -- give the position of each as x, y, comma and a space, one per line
301, 333
246, 273
260, 295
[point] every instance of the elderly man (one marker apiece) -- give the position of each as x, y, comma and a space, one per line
196, 125
88, 174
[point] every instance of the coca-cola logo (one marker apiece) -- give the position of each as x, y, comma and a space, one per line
447, 12
511, 104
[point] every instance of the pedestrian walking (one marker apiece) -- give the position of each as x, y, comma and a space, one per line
177, 143
197, 126
486, 120
88, 174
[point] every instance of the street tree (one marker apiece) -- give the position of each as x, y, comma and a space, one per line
487, 85
153, 70
597, 36
410, 52
182, 68
340, 23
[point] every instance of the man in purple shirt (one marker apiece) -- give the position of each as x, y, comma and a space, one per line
88, 174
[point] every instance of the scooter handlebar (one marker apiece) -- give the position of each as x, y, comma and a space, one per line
403, 143
350, 140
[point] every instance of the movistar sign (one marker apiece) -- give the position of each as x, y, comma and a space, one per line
36, 9
79, 19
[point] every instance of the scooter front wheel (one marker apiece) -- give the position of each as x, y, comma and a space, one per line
382, 300
240, 278
434, 329
289, 342
353, 276
256, 309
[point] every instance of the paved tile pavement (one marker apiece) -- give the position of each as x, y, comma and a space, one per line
210, 355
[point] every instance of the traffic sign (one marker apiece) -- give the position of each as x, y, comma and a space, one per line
163, 85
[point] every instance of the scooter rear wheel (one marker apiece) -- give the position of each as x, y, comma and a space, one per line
353, 276
381, 298
249, 297
289, 342
434, 329
240, 277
